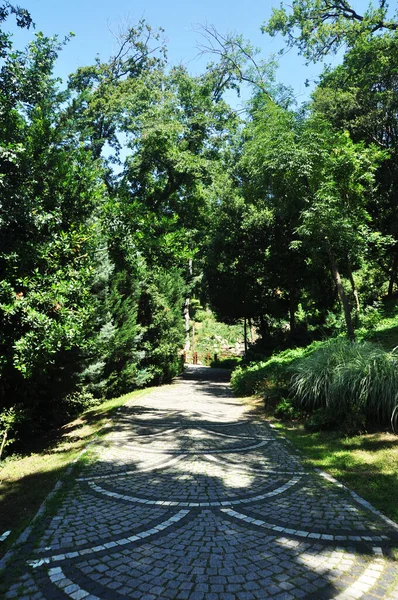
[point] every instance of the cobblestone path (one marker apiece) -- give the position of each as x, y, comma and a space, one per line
193, 496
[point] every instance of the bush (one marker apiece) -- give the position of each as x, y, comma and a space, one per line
356, 378
77, 402
286, 410
10, 420
226, 363
212, 336
325, 419
322, 419
261, 377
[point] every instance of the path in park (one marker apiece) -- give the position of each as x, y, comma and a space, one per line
193, 496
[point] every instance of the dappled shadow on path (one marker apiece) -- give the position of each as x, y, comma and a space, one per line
193, 495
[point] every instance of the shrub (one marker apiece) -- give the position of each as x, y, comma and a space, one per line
286, 410
10, 420
325, 419
314, 375
356, 378
226, 363
322, 419
260, 377
77, 402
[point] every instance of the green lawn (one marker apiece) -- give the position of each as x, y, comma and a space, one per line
368, 464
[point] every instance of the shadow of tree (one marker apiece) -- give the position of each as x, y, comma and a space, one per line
158, 458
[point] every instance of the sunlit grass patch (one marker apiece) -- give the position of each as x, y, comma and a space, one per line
367, 464
25, 481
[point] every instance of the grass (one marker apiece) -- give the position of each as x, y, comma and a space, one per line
348, 378
385, 331
367, 464
25, 481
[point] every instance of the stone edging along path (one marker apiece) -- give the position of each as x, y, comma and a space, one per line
193, 496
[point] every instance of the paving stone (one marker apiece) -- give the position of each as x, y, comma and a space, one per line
193, 496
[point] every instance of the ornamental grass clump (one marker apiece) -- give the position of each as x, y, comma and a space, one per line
348, 377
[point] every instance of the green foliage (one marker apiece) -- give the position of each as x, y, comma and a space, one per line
326, 419
322, 419
77, 402
286, 410
49, 229
226, 363
254, 378
214, 337
10, 420
160, 313
319, 27
23, 20
359, 378
264, 219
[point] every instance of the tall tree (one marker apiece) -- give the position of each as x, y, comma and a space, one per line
319, 27
360, 96
48, 230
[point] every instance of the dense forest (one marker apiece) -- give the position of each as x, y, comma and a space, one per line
133, 193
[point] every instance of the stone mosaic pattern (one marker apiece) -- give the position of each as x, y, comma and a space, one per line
193, 496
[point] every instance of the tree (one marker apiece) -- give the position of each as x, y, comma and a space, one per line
319, 27
360, 96
336, 218
273, 164
50, 191
23, 20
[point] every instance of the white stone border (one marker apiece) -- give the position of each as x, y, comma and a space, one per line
358, 498
338, 483
28, 530
113, 544
227, 435
74, 591
218, 503
302, 533
366, 581
263, 473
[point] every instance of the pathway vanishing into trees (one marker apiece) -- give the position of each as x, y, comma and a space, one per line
193, 496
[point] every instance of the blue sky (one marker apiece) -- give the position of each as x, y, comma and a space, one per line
93, 21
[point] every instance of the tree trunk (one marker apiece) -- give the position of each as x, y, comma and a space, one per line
245, 334
354, 292
263, 327
3, 443
342, 295
252, 332
187, 345
193, 337
292, 313
393, 274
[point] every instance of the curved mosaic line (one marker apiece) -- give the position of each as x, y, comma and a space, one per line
264, 472
227, 435
183, 427
220, 423
185, 451
67, 586
156, 467
189, 426
366, 581
137, 500
113, 544
287, 546
302, 533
